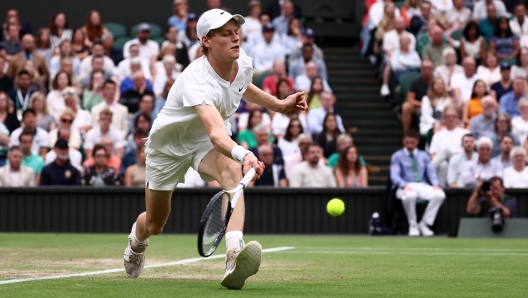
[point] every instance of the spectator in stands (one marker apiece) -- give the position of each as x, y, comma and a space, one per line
147, 48
376, 13
168, 50
474, 106
316, 116
391, 39
503, 42
252, 23
93, 28
43, 45
120, 112
12, 16
94, 94
82, 122
104, 129
409, 9
274, 9
487, 24
66, 65
262, 135
267, 51
308, 36
520, 70
291, 161
37, 101
509, 102
281, 22
450, 66
126, 67
110, 51
502, 127
419, 22
54, 100
310, 173
490, 73
65, 120
434, 50
343, 141
349, 171
457, 161
457, 17
504, 158
168, 73
412, 172
37, 82
417, 90
178, 20
304, 81
128, 82
281, 121
212, 4
386, 24
462, 84
188, 36
64, 133
289, 143
40, 144
472, 43
65, 51
297, 67
80, 49
15, 174
146, 106
20, 96
160, 100
294, 36
59, 29
402, 61
518, 24
112, 161
99, 174
97, 65
4, 131
313, 98
481, 9
6, 82
433, 104
516, 176
482, 169
246, 138
30, 160
328, 136
180, 51
520, 123
130, 153
446, 143
135, 173
87, 66
7, 115
131, 98
28, 53
270, 82
505, 84
12, 44
481, 203
483, 124
273, 174
60, 172
243, 118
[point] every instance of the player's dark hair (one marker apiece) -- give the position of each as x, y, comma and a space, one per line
288, 135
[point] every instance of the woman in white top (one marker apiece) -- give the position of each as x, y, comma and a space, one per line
167, 49
432, 106
293, 37
43, 45
289, 143
490, 73
82, 122
54, 100
59, 29
65, 50
252, 23
516, 176
449, 68
280, 121
521, 70
472, 44
457, 17
520, 123
37, 101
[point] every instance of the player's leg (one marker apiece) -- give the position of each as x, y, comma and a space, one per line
242, 260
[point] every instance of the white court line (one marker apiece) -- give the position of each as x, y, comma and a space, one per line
328, 248
180, 262
433, 253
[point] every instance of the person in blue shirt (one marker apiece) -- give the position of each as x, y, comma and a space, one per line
413, 173
509, 102
179, 19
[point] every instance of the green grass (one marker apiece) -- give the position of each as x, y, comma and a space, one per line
317, 267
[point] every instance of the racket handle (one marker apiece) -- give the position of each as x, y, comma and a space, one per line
249, 176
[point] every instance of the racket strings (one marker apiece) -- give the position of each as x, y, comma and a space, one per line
215, 224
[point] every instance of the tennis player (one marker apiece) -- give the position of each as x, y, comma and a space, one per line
192, 130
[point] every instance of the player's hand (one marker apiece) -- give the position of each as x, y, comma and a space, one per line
251, 161
295, 101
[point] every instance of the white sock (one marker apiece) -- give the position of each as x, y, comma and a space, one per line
137, 246
234, 240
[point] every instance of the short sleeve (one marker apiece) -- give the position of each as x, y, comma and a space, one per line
89, 141
414, 86
194, 95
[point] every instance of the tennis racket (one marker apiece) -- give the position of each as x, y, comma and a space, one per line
217, 214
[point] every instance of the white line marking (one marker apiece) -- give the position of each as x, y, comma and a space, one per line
327, 248
432, 253
180, 262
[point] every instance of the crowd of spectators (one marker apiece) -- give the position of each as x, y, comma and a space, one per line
75, 110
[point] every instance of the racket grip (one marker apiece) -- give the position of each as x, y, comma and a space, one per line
248, 177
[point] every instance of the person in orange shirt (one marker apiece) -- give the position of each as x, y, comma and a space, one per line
474, 107
111, 161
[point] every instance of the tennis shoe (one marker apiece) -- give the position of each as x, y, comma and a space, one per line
241, 264
134, 261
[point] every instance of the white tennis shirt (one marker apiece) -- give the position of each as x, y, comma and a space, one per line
178, 130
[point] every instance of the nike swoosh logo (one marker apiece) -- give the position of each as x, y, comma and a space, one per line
222, 12
240, 90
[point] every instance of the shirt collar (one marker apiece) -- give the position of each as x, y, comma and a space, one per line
414, 152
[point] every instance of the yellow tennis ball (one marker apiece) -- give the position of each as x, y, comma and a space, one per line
335, 207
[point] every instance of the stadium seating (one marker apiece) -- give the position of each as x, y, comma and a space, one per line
117, 29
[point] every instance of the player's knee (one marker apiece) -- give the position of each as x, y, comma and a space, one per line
154, 228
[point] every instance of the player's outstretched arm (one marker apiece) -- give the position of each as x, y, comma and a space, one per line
294, 101
214, 126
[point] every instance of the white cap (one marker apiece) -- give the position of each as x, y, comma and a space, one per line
214, 19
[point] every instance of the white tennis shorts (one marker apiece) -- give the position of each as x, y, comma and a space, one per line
164, 171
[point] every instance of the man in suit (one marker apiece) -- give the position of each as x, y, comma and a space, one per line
411, 170
120, 112
15, 174
28, 53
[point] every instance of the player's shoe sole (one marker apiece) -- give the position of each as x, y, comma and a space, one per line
247, 264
